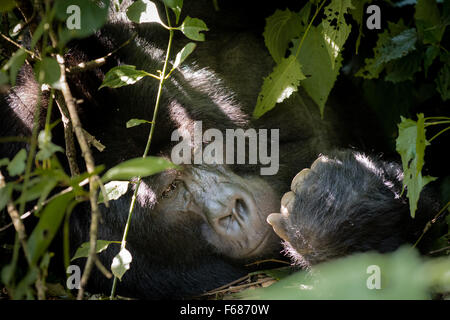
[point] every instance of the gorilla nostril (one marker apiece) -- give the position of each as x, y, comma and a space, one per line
240, 209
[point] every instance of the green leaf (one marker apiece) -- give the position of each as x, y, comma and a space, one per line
176, 6
430, 54
83, 250
46, 147
398, 46
183, 54
279, 85
316, 64
335, 29
93, 15
114, 190
48, 225
192, 28
428, 21
395, 42
41, 189
136, 167
404, 68
123, 75
443, 82
281, 28
17, 165
136, 122
411, 144
5, 194
143, 11
48, 71
4, 79
404, 274
121, 263
4, 162
14, 64
7, 5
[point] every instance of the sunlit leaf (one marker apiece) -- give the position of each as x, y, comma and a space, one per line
136, 122
279, 85
316, 64
411, 144
183, 54
142, 167
143, 11
83, 250
335, 29
114, 190
281, 28
121, 263
192, 28
123, 75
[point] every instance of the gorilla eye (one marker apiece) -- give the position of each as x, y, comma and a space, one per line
170, 188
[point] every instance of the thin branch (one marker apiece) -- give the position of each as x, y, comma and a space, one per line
31, 53
84, 66
90, 166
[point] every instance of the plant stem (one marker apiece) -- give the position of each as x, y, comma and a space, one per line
147, 147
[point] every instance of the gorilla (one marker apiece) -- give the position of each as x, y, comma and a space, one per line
195, 229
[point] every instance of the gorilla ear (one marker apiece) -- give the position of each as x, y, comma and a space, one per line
276, 220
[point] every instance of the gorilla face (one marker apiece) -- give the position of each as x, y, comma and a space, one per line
229, 210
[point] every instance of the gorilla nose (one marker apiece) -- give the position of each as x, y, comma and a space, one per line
233, 215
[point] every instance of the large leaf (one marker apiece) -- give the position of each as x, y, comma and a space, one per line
137, 167
123, 75
403, 274
316, 64
83, 250
411, 144
14, 64
192, 28
281, 28
7, 5
335, 30
92, 16
48, 71
48, 225
279, 85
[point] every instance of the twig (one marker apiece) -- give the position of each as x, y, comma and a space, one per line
439, 250
84, 66
430, 223
31, 53
68, 135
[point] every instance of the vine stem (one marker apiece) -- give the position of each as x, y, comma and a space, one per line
309, 27
147, 147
